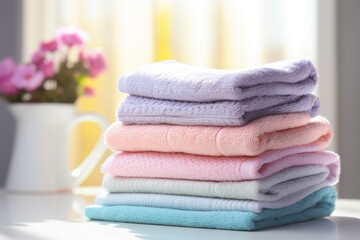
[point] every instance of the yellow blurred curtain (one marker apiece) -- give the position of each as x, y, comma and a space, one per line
209, 33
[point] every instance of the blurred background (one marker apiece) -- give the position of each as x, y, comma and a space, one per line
229, 34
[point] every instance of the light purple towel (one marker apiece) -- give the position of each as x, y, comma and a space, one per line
173, 80
143, 110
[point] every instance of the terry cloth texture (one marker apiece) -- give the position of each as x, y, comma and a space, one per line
267, 133
319, 204
206, 168
173, 80
142, 110
276, 191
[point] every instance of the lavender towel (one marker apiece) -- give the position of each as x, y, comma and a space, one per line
143, 110
173, 80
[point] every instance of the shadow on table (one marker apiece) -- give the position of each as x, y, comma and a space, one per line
321, 229
347, 227
315, 229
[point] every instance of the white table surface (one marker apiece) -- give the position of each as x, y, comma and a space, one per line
60, 216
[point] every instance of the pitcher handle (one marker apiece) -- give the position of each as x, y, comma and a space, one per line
93, 158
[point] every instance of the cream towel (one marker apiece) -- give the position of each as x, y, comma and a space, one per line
282, 188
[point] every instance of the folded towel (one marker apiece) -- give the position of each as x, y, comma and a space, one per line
177, 81
319, 204
272, 132
276, 191
142, 110
208, 168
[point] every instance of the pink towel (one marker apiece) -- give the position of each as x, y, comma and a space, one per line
196, 167
268, 133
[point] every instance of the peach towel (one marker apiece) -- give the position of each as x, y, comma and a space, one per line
268, 133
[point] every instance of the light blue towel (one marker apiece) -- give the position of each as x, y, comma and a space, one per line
319, 204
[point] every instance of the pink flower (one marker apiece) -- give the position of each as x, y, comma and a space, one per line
96, 62
72, 36
7, 68
81, 56
7, 88
49, 46
38, 57
26, 77
89, 92
47, 68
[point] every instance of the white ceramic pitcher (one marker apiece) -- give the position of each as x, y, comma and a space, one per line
40, 157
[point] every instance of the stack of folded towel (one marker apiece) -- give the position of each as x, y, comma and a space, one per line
240, 150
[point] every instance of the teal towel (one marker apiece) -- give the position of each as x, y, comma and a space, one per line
319, 204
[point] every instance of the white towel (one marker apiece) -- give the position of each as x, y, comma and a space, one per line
279, 190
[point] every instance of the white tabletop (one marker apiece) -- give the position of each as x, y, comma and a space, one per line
60, 216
